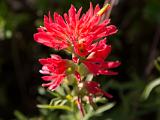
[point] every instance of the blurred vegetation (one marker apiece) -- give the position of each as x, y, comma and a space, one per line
136, 89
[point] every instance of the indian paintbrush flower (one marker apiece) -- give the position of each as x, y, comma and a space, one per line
84, 37
73, 32
95, 61
54, 71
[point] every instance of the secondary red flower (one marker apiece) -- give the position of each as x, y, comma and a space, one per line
95, 62
93, 88
54, 70
73, 32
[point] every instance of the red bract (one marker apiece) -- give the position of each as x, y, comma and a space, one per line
54, 71
95, 62
71, 31
93, 88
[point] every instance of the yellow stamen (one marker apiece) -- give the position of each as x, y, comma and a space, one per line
69, 97
104, 9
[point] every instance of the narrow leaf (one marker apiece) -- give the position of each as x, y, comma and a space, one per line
19, 115
149, 88
104, 108
55, 107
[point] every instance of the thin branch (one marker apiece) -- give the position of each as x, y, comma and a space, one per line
153, 51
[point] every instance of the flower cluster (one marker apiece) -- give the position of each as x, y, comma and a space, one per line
55, 67
84, 37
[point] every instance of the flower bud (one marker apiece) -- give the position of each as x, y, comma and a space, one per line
103, 10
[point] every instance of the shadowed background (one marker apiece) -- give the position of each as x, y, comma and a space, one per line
136, 45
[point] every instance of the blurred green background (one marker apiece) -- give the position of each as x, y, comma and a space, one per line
136, 45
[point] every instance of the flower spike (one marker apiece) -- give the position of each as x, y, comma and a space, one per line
84, 37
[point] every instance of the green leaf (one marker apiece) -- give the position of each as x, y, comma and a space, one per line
157, 63
104, 108
57, 102
19, 115
63, 102
53, 100
98, 111
64, 107
149, 88
54, 93
89, 77
41, 91
60, 91
83, 70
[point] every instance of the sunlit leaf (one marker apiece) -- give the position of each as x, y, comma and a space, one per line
64, 107
104, 108
89, 77
57, 102
149, 88
53, 100
63, 102
100, 110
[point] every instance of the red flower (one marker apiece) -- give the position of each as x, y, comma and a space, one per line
95, 62
74, 32
93, 88
54, 71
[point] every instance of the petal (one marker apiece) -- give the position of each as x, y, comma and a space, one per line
44, 72
59, 20
78, 14
96, 9
107, 94
78, 76
101, 50
107, 72
56, 57
43, 38
56, 83
44, 61
66, 18
90, 11
46, 84
49, 18
75, 59
48, 78
46, 20
93, 68
111, 64
92, 84
41, 29
111, 29
72, 16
